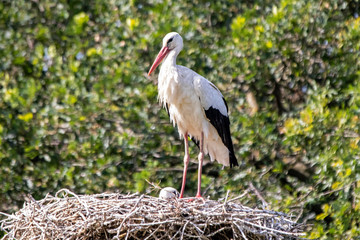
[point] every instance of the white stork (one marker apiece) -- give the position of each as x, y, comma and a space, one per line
196, 106
168, 193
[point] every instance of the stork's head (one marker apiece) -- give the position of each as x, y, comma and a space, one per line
171, 42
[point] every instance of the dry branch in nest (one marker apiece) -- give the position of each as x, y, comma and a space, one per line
117, 216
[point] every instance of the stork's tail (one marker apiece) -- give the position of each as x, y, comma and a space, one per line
218, 151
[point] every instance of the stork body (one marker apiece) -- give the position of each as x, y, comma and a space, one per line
196, 106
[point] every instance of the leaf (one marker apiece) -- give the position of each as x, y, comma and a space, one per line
81, 18
25, 117
132, 23
93, 51
269, 44
238, 23
336, 185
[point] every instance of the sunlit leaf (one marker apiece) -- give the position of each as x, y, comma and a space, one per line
25, 117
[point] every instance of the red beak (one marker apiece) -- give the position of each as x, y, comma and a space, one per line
163, 52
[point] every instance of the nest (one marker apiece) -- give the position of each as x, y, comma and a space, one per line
134, 216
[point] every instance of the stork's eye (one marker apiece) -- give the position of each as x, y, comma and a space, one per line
170, 40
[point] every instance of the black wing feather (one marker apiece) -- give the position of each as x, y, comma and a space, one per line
222, 126
167, 109
195, 141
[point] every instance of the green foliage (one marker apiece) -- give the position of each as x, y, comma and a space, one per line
78, 110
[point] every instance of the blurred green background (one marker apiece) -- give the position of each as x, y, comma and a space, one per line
78, 110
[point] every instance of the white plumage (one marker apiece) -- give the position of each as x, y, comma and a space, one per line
195, 105
187, 95
168, 193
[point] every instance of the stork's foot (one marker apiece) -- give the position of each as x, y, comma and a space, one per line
199, 196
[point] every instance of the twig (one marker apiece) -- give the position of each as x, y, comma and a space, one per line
226, 198
257, 193
239, 197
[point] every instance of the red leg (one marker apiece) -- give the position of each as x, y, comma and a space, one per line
186, 162
201, 159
